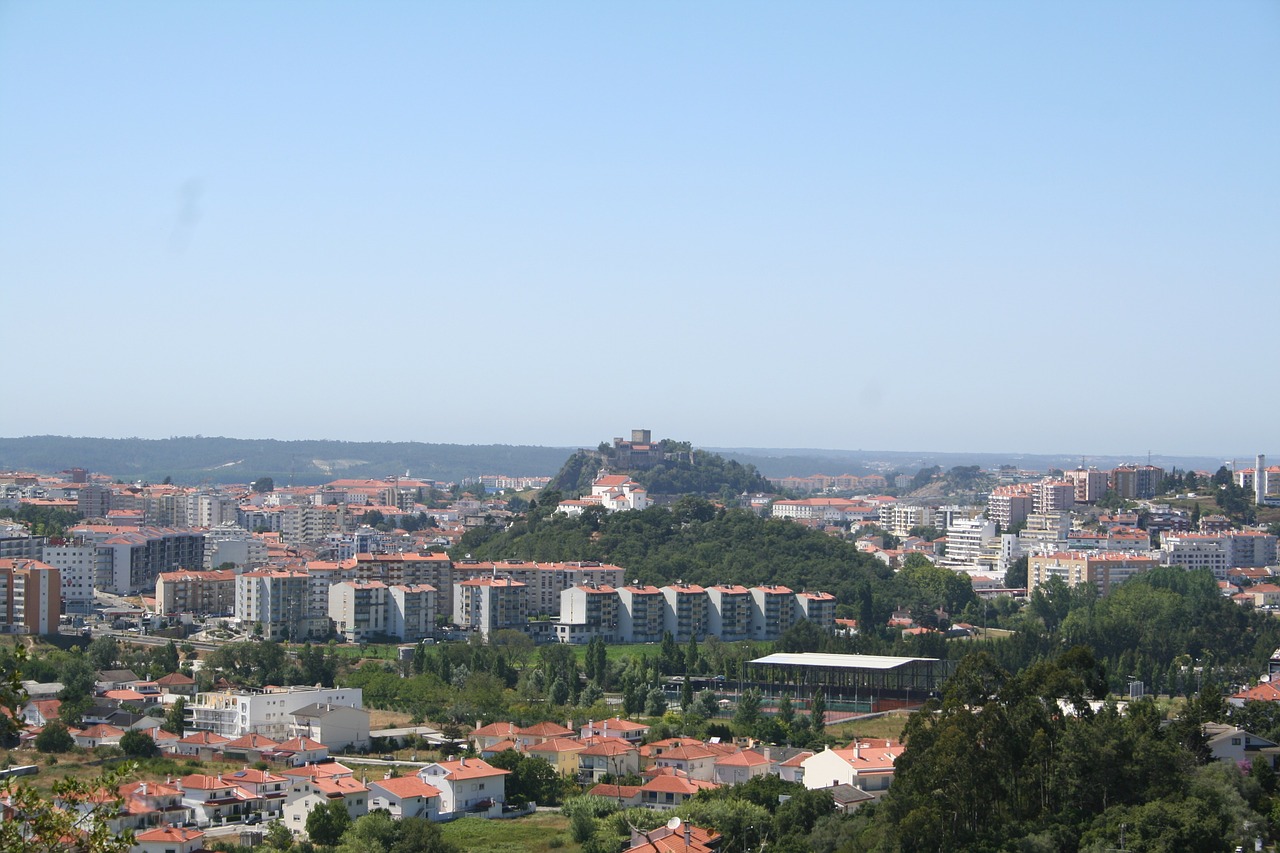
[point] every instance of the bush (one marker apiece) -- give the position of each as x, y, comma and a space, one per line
54, 737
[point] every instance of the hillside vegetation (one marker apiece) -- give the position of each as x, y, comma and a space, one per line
684, 471
694, 541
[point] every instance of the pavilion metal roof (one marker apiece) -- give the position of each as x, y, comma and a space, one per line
831, 661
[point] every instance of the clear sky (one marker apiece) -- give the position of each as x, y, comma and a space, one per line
1021, 226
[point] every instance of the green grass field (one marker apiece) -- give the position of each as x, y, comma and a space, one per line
538, 832
887, 726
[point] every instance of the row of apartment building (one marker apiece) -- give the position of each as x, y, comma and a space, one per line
402, 595
642, 614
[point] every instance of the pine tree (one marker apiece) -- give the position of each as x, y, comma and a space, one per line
819, 714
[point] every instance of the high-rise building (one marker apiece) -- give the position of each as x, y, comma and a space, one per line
30, 597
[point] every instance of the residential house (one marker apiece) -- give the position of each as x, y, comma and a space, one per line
627, 796
214, 799
248, 747
535, 734
694, 760
267, 789
201, 745
97, 735
467, 786
310, 788
675, 837
792, 770
338, 727
615, 727
607, 756
561, 753
1234, 744
405, 796
847, 798
865, 764
670, 792
741, 766
484, 737
299, 751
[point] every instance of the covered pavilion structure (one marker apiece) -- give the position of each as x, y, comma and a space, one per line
853, 683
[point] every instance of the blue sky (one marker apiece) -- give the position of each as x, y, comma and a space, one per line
1032, 227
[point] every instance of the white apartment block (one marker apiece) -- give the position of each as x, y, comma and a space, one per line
279, 601
1045, 532
968, 539
685, 611
588, 611
818, 608
730, 612
202, 593
84, 566
773, 611
490, 604
543, 582
301, 523
211, 509
360, 610
230, 543
900, 519
642, 615
1219, 552
1104, 569
235, 713
830, 510
414, 608
1090, 484
1010, 505
1053, 496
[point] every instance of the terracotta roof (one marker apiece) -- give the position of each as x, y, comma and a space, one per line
406, 786
301, 744
251, 741
327, 768
547, 729
677, 785
744, 758
169, 834
557, 744
618, 724
614, 792
174, 678
203, 782
470, 768
205, 739
501, 746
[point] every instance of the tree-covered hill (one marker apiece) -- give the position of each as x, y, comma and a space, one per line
209, 459
693, 540
683, 471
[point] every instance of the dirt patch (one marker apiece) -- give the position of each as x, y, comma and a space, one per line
387, 719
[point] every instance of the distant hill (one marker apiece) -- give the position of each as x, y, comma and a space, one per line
200, 459
672, 468
783, 462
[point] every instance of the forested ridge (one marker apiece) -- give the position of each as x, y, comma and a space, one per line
684, 471
214, 459
692, 540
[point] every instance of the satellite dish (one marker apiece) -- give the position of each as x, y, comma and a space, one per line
673, 824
